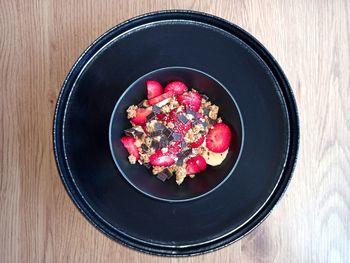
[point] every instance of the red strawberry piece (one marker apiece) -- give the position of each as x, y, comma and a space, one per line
161, 159
154, 89
160, 116
195, 164
218, 138
129, 144
160, 98
174, 149
197, 143
141, 116
191, 100
179, 127
177, 87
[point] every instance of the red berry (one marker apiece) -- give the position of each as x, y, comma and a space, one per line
191, 100
195, 165
160, 98
179, 127
174, 149
141, 116
177, 87
160, 116
218, 138
129, 144
161, 159
197, 143
154, 89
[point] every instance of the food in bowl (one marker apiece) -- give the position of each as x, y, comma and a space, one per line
176, 131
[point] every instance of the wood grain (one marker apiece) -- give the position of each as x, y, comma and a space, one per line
39, 42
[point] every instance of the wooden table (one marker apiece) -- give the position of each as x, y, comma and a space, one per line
41, 39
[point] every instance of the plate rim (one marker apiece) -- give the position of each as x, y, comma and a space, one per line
283, 85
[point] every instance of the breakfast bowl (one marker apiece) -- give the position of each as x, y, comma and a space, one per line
218, 206
141, 177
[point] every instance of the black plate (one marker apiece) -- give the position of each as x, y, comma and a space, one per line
139, 46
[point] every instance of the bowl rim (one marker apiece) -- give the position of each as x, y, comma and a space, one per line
110, 135
81, 203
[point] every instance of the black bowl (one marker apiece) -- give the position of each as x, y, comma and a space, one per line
167, 39
139, 176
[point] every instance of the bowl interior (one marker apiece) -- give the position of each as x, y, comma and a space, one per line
207, 181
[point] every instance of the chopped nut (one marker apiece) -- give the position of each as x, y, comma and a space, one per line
213, 115
191, 175
144, 158
131, 111
138, 143
197, 128
150, 125
219, 120
157, 169
148, 142
180, 175
170, 125
172, 168
132, 159
165, 109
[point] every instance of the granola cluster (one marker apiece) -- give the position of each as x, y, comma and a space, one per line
169, 133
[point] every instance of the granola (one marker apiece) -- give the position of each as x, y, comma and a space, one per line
176, 131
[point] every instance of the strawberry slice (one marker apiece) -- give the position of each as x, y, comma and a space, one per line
174, 149
129, 144
218, 138
161, 159
177, 87
179, 127
197, 143
141, 116
154, 89
160, 116
160, 98
191, 100
195, 164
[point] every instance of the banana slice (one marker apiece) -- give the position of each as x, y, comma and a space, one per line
214, 159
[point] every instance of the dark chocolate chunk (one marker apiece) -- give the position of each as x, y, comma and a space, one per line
167, 132
147, 165
195, 122
129, 132
206, 111
176, 136
144, 147
205, 97
162, 176
133, 132
168, 173
156, 133
204, 123
184, 153
156, 109
164, 142
182, 118
180, 161
159, 126
151, 116
155, 144
189, 111
211, 121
